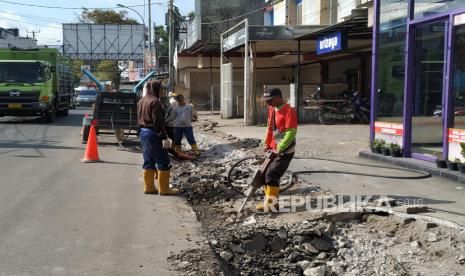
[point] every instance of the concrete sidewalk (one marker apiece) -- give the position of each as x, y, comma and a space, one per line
344, 142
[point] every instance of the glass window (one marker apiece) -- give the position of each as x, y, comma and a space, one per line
427, 88
430, 7
458, 87
21, 72
391, 60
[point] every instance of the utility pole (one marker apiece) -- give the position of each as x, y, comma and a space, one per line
150, 32
171, 45
33, 34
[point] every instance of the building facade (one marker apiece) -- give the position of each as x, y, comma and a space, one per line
418, 82
10, 38
283, 52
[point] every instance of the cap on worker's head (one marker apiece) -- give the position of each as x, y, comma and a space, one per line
107, 83
270, 93
179, 97
172, 94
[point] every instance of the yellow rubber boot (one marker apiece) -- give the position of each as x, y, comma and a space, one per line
164, 184
259, 206
270, 203
149, 182
195, 149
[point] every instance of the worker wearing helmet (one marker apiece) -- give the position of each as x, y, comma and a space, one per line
280, 138
155, 142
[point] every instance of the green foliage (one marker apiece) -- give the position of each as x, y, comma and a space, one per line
393, 147
108, 70
161, 41
76, 65
378, 143
106, 17
191, 16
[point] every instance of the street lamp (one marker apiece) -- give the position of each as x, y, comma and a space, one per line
143, 21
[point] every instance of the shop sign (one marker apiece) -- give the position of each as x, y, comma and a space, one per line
389, 128
234, 40
456, 135
459, 19
264, 33
330, 43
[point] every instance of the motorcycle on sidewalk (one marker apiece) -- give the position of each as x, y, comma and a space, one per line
352, 109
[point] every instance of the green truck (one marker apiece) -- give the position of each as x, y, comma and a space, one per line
35, 82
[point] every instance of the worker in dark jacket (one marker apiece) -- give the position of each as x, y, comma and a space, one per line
280, 138
155, 141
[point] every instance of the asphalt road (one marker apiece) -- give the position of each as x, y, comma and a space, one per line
59, 216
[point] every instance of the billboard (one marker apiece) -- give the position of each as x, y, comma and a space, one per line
104, 41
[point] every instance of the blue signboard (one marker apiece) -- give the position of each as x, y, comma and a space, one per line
330, 43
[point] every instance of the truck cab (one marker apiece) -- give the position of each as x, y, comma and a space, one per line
34, 87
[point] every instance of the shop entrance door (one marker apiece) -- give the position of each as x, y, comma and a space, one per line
428, 88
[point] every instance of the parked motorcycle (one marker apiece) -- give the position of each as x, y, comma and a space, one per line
459, 110
352, 109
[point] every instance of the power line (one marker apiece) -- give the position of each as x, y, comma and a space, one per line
74, 8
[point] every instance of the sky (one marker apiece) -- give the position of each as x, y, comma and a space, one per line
47, 22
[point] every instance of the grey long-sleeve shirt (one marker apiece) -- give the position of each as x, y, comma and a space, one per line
183, 115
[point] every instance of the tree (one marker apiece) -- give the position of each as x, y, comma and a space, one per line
191, 16
105, 17
161, 40
76, 66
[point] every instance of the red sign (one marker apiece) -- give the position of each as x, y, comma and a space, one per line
389, 128
456, 135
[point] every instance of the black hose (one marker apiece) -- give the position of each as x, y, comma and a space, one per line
421, 174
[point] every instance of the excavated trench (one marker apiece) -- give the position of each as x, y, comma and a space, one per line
317, 243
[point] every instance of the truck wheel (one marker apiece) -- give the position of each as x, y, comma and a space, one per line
50, 116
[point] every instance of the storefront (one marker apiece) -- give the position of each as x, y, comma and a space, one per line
418, 80
343, 53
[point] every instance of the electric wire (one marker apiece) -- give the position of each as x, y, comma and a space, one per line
77, 8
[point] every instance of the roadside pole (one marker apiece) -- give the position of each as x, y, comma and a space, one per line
150, 33
171, 45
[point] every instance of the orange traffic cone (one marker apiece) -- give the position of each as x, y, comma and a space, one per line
91, 155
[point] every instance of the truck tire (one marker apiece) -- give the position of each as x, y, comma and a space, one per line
50, 116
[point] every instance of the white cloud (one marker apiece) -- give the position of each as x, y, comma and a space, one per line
47, 33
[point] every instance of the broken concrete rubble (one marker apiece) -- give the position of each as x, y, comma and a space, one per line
342, 243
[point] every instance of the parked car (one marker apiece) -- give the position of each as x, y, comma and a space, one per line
86, 97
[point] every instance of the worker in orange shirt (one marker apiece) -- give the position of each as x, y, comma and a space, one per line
281, 139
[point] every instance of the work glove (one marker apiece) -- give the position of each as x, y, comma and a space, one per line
166, 143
